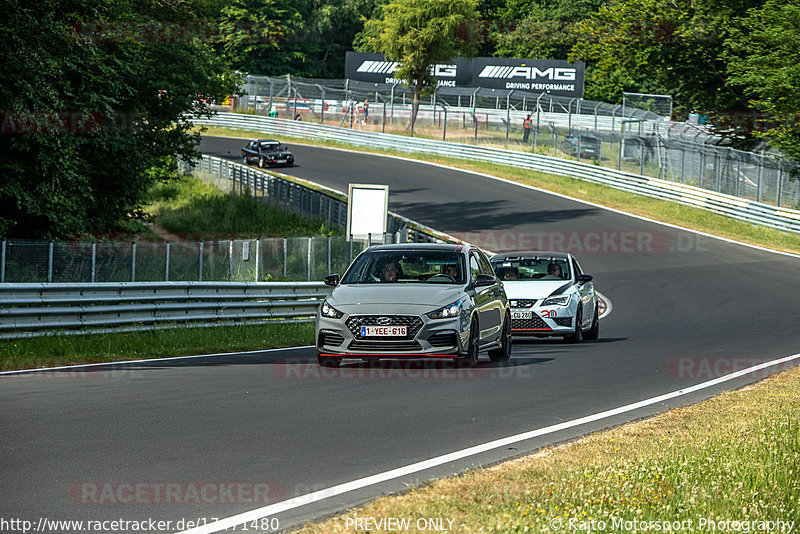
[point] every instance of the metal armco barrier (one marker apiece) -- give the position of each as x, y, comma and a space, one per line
38, 309
738, 208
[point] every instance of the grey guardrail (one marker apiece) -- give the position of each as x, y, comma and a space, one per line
34, 309
737, 208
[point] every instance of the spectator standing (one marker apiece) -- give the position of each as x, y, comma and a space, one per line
366, 110
526, 126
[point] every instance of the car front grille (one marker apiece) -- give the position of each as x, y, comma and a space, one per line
384, 346
535, 323
522, 303
413, 323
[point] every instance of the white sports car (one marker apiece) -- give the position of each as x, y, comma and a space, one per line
549, 295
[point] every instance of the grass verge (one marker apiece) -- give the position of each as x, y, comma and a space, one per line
659, 210
735, 457
192, 206
50, 351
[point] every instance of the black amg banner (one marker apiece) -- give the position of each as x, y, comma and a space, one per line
556, 77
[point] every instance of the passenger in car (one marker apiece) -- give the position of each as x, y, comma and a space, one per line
511, 274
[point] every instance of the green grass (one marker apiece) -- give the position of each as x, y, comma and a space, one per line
734, 457
659, 210
190, 205
48, 351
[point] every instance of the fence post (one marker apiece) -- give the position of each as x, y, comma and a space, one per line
166, 263
200, 263
329, 254
258, 257
780, 184
3, 261
133, 261
760, 177
230, 260
285, 257
94, 261
50, 262
308, 267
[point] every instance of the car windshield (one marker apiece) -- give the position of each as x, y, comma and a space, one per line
407, 266
539, 268
270, 146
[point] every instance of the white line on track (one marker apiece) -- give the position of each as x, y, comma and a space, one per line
289, 504
79, 366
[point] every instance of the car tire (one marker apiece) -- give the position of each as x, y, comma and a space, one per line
261, 163
244, 160
577, 335
594, 332
470, 358
503, 353
328, 361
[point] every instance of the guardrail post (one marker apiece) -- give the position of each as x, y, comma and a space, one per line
230, 260
2, 261
94, 261
50, 262
166, 263
200, 262
133, 261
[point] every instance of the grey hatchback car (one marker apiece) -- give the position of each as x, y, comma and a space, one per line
411, 301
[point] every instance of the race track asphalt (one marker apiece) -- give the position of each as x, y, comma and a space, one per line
686, 308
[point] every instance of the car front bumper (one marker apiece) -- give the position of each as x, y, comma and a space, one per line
425, 338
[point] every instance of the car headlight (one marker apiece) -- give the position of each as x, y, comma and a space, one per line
329, 311
446, 312
560, 300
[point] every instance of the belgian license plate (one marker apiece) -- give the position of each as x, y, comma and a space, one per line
282, 160
383, 331
527, 314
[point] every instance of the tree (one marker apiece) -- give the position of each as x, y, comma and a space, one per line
95, 97
763, 58
661, 46
419, 34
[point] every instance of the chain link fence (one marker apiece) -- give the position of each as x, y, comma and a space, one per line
620, 137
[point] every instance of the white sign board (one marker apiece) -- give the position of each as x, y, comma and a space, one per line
367, 208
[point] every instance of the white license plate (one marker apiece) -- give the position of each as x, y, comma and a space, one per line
522, 314
383, 331
280, 160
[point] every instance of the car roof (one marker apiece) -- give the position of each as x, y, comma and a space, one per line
268, 141
531, 254
416, 246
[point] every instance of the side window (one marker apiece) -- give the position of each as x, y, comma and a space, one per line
577, 268
486, 267
474, 267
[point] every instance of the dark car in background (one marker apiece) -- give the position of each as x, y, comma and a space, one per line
267, 153
582, 145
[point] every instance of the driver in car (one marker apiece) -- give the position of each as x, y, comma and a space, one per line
389, 271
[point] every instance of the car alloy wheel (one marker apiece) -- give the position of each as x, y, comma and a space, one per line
577, 335
594, 332
261, 162
503, 353
244, 160
470, 359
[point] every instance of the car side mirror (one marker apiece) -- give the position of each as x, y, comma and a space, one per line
484, 280
583, 278
331, 280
